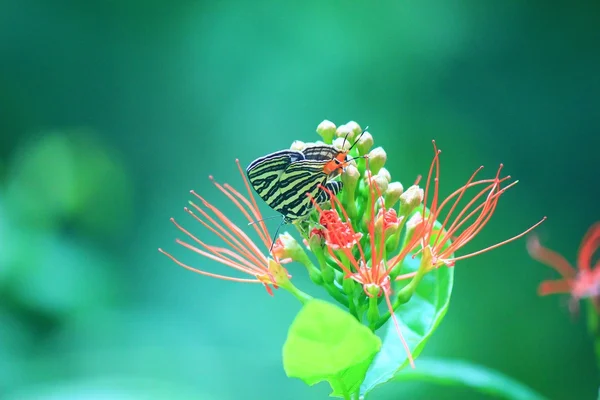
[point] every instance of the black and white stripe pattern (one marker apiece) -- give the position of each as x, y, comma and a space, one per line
284, 178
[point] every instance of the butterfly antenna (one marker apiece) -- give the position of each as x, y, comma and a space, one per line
345, 138
276, 233
263, 219
358, 138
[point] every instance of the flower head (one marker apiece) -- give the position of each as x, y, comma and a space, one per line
338, 234
240, 252
371, 272
458, 227
582, 282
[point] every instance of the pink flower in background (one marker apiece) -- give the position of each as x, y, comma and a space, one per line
582, 281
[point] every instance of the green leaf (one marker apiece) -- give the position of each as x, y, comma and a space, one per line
461, 373
325, 343
417, 319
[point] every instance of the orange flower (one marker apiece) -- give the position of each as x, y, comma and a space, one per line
241, 253
582, 282
338, 234
372, 274
449, 237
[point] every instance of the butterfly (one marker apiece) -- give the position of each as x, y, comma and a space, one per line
287, 180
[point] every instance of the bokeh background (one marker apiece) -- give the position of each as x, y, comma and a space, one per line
111, 111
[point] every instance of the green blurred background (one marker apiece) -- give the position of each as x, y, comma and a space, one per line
110, 111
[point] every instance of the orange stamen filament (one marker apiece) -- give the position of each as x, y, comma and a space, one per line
262, 235
459, 220
265, 237
406, 276
498, 244
227, 278
460, 194
216, 251
374, 270
487, 209
434, 163
236, 245
244, 244
397, 326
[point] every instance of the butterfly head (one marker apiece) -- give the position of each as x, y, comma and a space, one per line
338, 164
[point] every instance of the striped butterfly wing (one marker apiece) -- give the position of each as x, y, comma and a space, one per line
264, 172
324, 153
299, 178
333, 187
320, 152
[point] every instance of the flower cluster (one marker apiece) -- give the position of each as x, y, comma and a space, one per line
583, 282
363, 236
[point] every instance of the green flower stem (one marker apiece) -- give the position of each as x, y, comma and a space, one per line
337, 295
349, 203
401, 224
348, 285
313, 272
373, 312
345, 392
367, 214
391, 243
397, 269
297, 293
327, 272
407, 291
361, 164
348, 288
361, 308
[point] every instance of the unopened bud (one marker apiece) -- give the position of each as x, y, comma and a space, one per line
341, 144
377, 159
316, 239
345, 132
326, 130
350, 178
385, 173
287, 249
298, 145
393, 193
380, 183
411, 199
348, 285
354, 127
365, 143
